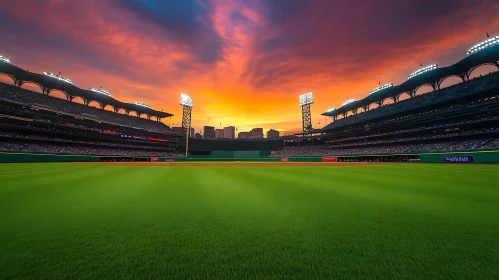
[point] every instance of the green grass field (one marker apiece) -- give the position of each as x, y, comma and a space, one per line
413, 221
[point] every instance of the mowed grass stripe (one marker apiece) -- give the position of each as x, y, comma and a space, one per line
233, 223
430, 226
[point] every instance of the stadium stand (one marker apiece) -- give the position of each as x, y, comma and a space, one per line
461, 117
49, 103
32, 122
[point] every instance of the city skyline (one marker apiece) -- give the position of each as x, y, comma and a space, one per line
244, 62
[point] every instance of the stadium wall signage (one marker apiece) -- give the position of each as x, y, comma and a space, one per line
458, 159
329, 159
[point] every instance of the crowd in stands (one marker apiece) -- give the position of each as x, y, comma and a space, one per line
86, 142
418, 129
323, 150
81, 150
39, 100
421, 101
415, 138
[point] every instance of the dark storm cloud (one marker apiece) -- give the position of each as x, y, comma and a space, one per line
339, 34
185, 22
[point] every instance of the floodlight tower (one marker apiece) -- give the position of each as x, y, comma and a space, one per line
305, 101
187, 103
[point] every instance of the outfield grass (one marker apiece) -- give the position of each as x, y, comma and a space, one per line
62, 221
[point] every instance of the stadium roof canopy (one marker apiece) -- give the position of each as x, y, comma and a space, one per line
48, 84
434, 78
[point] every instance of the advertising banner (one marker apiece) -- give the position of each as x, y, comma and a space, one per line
458, 159
170, 159
329, 159
154, 159
284, 159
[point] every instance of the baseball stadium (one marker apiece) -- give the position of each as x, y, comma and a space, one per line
398, 185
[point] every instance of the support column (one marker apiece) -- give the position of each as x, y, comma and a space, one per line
46, 90
186, 119
306, 117
412, 92
434, 86
18, 83
465, 77
395, 98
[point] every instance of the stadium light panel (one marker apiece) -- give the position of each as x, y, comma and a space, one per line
4, 59
142, 104
381, 88
348, 102
186, 100
483, 45
101, 91
58, 77
423, 70
307, 98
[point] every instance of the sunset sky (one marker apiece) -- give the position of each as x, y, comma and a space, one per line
245, 62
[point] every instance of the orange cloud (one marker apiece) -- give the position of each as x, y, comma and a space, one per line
244, 62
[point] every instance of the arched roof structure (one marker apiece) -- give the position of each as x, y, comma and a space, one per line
47, 84
434, 78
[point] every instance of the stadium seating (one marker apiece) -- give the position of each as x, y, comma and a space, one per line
31, 98
323, 150
419, 102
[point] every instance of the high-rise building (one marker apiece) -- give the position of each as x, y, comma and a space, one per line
198, 136
229, 132
256, 133
272, 133
219, 133
191, 134
244, 135
209, 132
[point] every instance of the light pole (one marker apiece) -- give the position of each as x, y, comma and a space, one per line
305, 101
187, 103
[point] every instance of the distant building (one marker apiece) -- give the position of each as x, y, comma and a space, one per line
244, 135
209, 132
256, 133
179, 129
229, 132
272, 133
198, 136
219, 133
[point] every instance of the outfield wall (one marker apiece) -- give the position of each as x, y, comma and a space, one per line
45, 157
20, 157
484, 156
490, 156
224, 154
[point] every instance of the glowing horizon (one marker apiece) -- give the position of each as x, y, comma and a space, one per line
243, 62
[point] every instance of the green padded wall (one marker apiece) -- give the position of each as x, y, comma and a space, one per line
246, 154
40, 157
